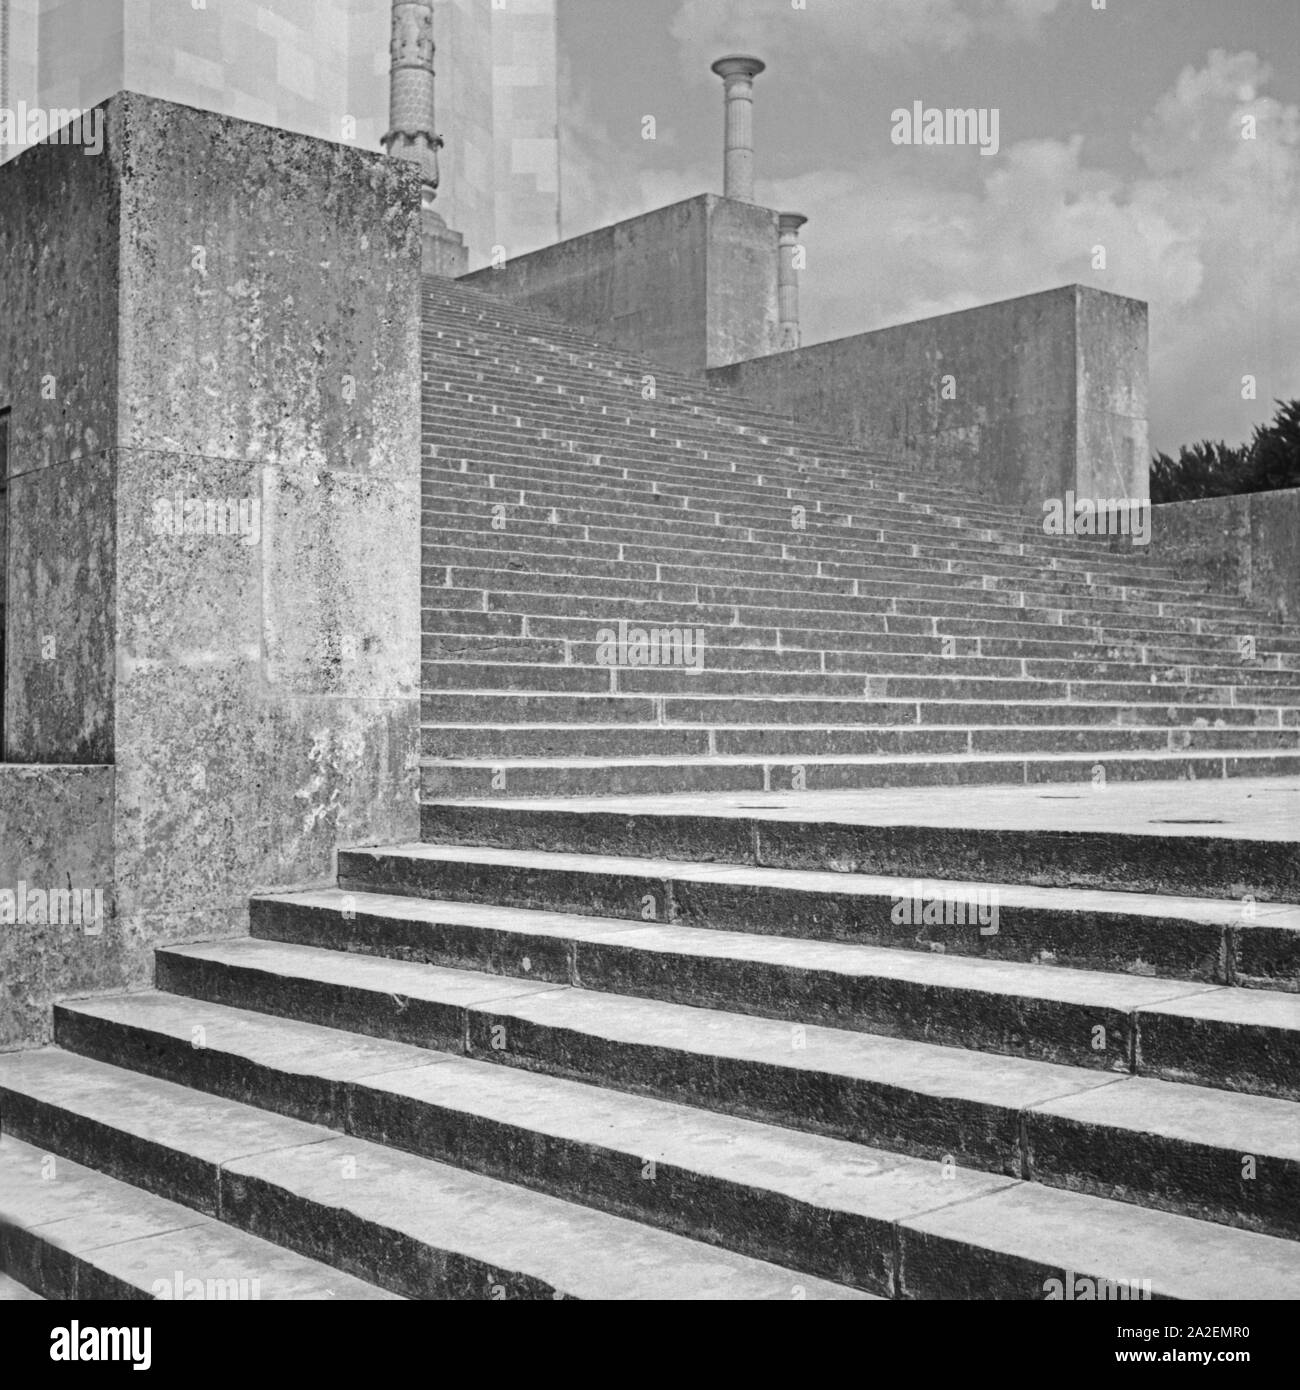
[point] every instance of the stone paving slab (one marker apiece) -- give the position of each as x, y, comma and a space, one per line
1245, 808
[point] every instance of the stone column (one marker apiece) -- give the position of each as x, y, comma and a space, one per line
788, 224
411, 100
412, 134
738, 73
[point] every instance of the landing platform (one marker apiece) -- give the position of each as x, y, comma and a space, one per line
1265, 808
1228, 840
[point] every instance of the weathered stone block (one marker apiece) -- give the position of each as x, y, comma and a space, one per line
56, 833
690, 286
1027, 399
215, 512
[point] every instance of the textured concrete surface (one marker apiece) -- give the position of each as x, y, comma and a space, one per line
1049, 394
1208, 939
410, 1225
59, 340
1184, 839
56, 831
690, 286
913, 1097
74, 1233
1246, 809
826, 1206
245, 331
1247, 545
1031, 1234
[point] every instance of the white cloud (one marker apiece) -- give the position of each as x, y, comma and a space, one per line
1208, 231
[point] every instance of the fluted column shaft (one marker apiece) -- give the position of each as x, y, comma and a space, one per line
738, 75
788, 224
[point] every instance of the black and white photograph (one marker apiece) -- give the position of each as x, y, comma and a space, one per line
649, 651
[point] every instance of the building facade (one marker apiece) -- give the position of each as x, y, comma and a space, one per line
319, 67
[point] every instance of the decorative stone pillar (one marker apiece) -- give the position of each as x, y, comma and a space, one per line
738, 73
411, 99
788, 224
412, 134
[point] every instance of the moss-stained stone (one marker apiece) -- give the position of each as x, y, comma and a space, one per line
56, 833
59, 232
61, 613
268, 281
341, 583
692, 285
1249, 545
1031, 397
231, 314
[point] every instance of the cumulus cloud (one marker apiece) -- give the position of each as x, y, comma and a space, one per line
1207, 230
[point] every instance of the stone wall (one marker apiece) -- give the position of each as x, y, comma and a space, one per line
1247, 545
1033, 397
690, 286
56, 833
209, 338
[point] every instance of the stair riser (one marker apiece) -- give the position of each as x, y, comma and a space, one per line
1183, 865
58, 1274
470, 674
724, 650
970, 1133
379, 1255
1175, 948
620, 744
837, 1245
1022, 1025
522, 781
595, 707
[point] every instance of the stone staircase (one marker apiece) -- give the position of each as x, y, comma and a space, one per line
909, 636
669, 1002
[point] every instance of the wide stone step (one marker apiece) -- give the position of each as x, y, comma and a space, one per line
813, 576
699, 679
849, 606
573, 706
416, 1227
71, 1233
1210, 652
969, 1109
726, 653
668, 524
1230, 841
528, 460
1191, 938
538, 591
598, 466
619, 742
532, 778
993, 571
830, 1208
11, 1291
1241, 1040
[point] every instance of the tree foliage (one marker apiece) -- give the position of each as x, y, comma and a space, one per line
1270, 461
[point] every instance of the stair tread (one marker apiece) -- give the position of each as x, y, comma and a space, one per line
574, 1249
11, 1291
1100, 989
802, 1165
1265, 809
1059, 1228
1213, 911
926, 1068
133, 1238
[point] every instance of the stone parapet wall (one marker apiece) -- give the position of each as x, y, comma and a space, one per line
1030, 398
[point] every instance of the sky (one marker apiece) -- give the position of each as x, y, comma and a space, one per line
1123, 124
